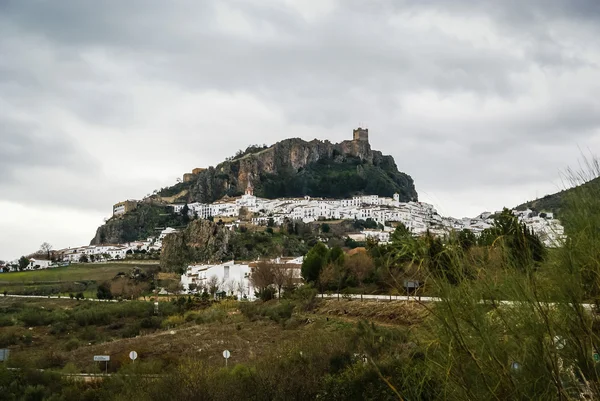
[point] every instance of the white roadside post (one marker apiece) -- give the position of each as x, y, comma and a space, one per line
226, 355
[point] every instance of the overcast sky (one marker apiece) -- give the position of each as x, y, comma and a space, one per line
483, 103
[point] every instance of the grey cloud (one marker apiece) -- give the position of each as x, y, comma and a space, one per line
23, 147
93, 62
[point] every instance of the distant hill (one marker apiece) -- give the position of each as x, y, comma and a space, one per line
554, 202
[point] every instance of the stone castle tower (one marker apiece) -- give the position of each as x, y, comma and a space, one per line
360, 134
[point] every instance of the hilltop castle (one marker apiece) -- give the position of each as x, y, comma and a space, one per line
360, 134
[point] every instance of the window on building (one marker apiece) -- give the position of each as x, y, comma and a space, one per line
226, 272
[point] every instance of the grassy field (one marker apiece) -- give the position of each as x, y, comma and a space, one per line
74, 272
54, 333
75, 278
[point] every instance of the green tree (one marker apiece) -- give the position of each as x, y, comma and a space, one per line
185, 214
522, 247
336, 256
104, 291
466, 239
325, 228
314, 262
23, 263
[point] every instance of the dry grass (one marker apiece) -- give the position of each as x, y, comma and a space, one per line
394, 312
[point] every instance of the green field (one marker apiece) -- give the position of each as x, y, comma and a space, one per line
60, 280
74, 272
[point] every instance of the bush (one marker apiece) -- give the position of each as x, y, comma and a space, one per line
58, 328
132, 330
51, 359
305, 297
211, 315
153, 322
172, 321
8, 337
72, 344
6, 321
35, 317
278, 312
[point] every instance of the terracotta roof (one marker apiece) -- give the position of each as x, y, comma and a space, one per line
356, 250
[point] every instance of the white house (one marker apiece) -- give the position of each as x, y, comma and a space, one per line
231, 277
35, 264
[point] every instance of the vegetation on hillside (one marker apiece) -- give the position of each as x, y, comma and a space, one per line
335, 178
555, 202
206, 241
145, 221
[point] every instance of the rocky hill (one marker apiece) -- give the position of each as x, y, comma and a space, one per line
289, 168
294, 167
145, 221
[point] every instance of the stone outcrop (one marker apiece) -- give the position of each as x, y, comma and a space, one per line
201, 241
291, 157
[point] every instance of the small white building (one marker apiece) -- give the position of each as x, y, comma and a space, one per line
35, 264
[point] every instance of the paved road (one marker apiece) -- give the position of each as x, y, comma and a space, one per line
413, 298
57, 297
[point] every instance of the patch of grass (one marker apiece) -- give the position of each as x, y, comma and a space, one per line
74, 272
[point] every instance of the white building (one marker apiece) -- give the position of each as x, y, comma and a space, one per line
35, 264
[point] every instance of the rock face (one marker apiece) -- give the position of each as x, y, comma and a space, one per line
294, 167
202, 240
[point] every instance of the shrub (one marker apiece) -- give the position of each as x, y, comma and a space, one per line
172, 321
6, 321
35, 317
211, 315
72, 344
58, 328
51, 359
278, 312
8, 337
132, 330
153, 322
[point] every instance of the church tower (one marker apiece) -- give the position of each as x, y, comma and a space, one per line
249, 188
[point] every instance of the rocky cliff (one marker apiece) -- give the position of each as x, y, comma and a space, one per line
294, 167
201, 241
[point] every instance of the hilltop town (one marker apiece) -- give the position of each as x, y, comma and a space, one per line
380, 214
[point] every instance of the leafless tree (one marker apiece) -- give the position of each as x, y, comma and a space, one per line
360, 266
240, 288
213, 285
262, 276
46, 248
231, 286
282, 277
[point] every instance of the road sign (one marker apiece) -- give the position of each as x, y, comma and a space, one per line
101, 358
133, 355
4, 352
226, 355
596, 357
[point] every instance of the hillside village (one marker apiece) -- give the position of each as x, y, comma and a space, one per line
418, 217
384, 213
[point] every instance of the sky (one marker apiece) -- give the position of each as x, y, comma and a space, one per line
484, 103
